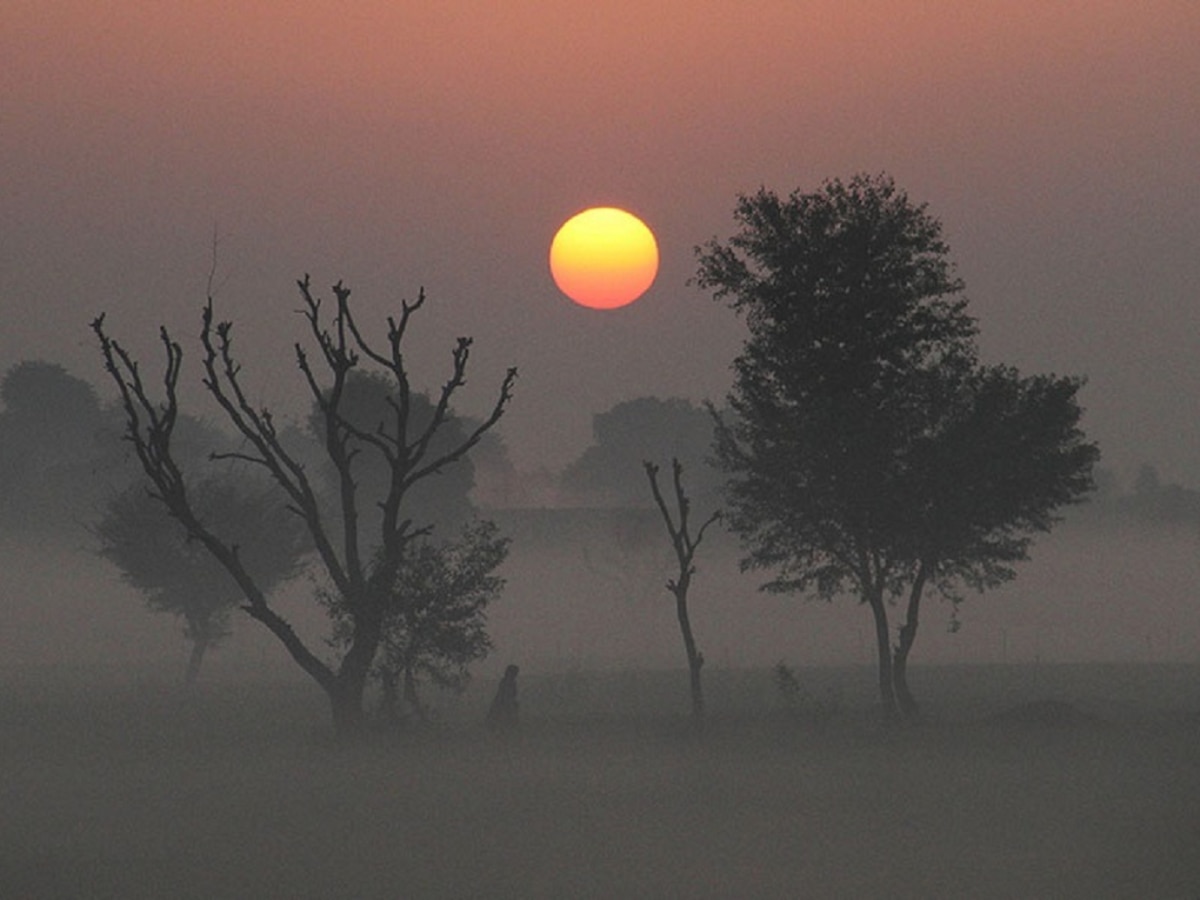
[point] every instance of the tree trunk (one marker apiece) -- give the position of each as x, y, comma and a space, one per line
883, 644
410, 695
694, 657
349, 686
908, 634
346, 705
389, 701
195, 660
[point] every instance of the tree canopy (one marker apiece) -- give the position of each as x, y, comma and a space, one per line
178, 575
51, 448
435, 625
867, 448
609, 472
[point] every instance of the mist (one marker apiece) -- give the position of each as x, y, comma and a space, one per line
160, 155
1055, 756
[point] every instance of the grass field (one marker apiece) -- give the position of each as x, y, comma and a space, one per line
1035, 782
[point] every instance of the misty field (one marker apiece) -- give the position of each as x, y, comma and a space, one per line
1023, 782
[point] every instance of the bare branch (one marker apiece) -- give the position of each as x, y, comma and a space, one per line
222, 381
152, 442
502, 401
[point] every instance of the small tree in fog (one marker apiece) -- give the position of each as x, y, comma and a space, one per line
684, 546
178, 575
866, 447
51, 448
362, 575
436, 623
605, 474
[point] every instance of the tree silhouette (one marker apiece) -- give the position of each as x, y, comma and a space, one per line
362, 581
684, 546
179, 575
605, 474
442, 502
867, 449
436, 623
50, 448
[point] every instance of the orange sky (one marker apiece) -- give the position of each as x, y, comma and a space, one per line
406, 144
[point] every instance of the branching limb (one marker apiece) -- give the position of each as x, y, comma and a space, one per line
684, 544
222, 379
152, 443
503, 398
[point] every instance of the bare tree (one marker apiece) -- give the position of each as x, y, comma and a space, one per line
685, 551
362, 581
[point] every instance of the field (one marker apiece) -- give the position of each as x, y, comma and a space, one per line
1022, 782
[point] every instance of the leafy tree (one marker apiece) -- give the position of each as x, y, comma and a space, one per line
636, 430
684, 545
436, 623
999, 457
44, 392
50, 447
362, 578
179, 575
867, 449
1154, 501
497, 483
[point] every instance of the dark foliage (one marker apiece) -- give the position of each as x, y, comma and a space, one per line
178, 575
435, 626
608, 471
57, 447
867, 449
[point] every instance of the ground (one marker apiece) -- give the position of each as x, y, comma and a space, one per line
1063, 782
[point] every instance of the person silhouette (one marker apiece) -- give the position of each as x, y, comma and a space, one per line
502, 716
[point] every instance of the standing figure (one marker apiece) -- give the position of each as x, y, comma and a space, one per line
503, 713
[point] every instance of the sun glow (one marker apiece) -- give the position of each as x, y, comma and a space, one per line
604, 258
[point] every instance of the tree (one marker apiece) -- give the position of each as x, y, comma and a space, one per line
179, 575
999, 457
866, 448
362, 581
436, 624
636, 430
439, 502
684, 546
50, 447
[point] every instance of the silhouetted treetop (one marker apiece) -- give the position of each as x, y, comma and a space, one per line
854, 273
610, 472
39, 389
866, 447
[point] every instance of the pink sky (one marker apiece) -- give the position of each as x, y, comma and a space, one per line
405, 144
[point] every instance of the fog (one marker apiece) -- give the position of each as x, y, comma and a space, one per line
1072, 782
587, 589
1032, 774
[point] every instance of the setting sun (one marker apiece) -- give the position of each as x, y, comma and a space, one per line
604, 258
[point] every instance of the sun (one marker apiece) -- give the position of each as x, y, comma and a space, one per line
604, 258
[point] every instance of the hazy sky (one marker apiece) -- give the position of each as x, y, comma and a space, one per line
402, 144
